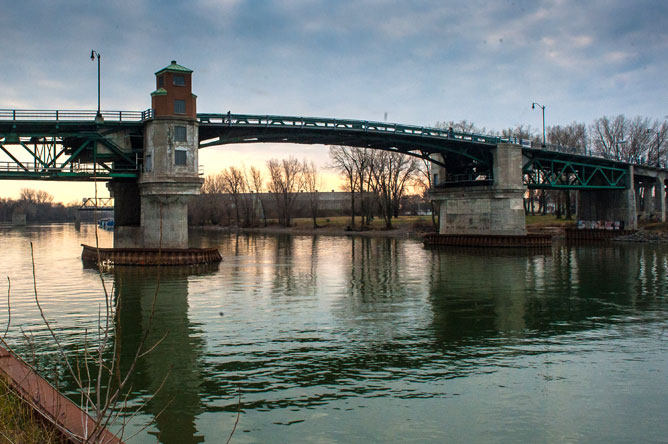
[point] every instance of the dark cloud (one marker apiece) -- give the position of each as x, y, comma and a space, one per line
420, 62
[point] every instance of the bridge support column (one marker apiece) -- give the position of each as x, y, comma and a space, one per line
127, 210
661, 197
169, 180
610, 205
487, 210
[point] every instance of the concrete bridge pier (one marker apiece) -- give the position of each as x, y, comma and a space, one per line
487, 210
153, 211
661, 196
127, 211
610, 205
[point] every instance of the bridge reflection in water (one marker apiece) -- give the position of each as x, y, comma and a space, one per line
311, 326
153, 306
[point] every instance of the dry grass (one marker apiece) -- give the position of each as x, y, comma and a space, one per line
654, 226
549, 220
412, 222
20, 424
341, 222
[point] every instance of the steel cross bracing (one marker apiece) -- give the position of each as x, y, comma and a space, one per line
97, 204
69, 145
554, 170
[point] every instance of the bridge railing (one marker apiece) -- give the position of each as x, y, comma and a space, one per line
634, 160
270, 121
74, 115
71, 168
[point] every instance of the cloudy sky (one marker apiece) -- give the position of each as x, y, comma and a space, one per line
418, 61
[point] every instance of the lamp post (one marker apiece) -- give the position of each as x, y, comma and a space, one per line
533, 106
93, 55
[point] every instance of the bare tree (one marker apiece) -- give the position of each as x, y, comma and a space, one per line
422, 182
363, 162
342, 161
235, 184
285, 181
521, 132
463, 126
608, 136
573, 138
390, 173
256, 185
312, 181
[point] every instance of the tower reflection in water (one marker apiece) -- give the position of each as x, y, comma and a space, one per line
152, 303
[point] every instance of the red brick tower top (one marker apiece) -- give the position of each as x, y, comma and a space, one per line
173, 95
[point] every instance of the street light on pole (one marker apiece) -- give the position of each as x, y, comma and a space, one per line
93, 55
533, 106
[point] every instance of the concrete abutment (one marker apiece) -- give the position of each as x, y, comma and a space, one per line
487, 210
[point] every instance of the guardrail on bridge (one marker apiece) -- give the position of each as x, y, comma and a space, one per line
73, 115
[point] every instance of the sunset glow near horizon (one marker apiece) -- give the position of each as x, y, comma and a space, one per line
405, 62
213, 160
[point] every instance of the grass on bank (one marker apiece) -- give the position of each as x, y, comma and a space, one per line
408, 222
538, 220
20, 424
341, 222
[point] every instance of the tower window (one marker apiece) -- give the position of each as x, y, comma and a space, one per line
179, 81
180, 134
161, 81
179, 106
148, 164
180, 157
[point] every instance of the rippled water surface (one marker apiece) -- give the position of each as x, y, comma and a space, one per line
336, 339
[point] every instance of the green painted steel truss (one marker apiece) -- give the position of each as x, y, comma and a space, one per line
73, 145
546, 172
61, 145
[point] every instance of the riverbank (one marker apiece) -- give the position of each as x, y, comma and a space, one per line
20, 424
404, 226
417, 226
649, 232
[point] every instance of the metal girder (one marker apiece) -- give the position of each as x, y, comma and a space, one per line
66, 144
552, 173
97, 204
69, 156
220, 129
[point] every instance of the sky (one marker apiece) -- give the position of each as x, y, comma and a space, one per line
416, 62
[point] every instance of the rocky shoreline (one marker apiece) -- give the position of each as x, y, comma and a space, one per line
645, 236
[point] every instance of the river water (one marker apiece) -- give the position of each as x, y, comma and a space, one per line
351, 339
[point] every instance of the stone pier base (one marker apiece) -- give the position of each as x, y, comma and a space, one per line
487, 210
482, 210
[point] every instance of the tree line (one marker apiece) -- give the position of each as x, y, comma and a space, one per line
638, 140
246, 196
376, 180
38, 206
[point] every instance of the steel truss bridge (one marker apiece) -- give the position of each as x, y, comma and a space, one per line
71, 145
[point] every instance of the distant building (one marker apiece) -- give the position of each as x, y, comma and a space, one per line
330, 203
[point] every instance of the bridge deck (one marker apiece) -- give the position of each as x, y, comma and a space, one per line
72, 145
